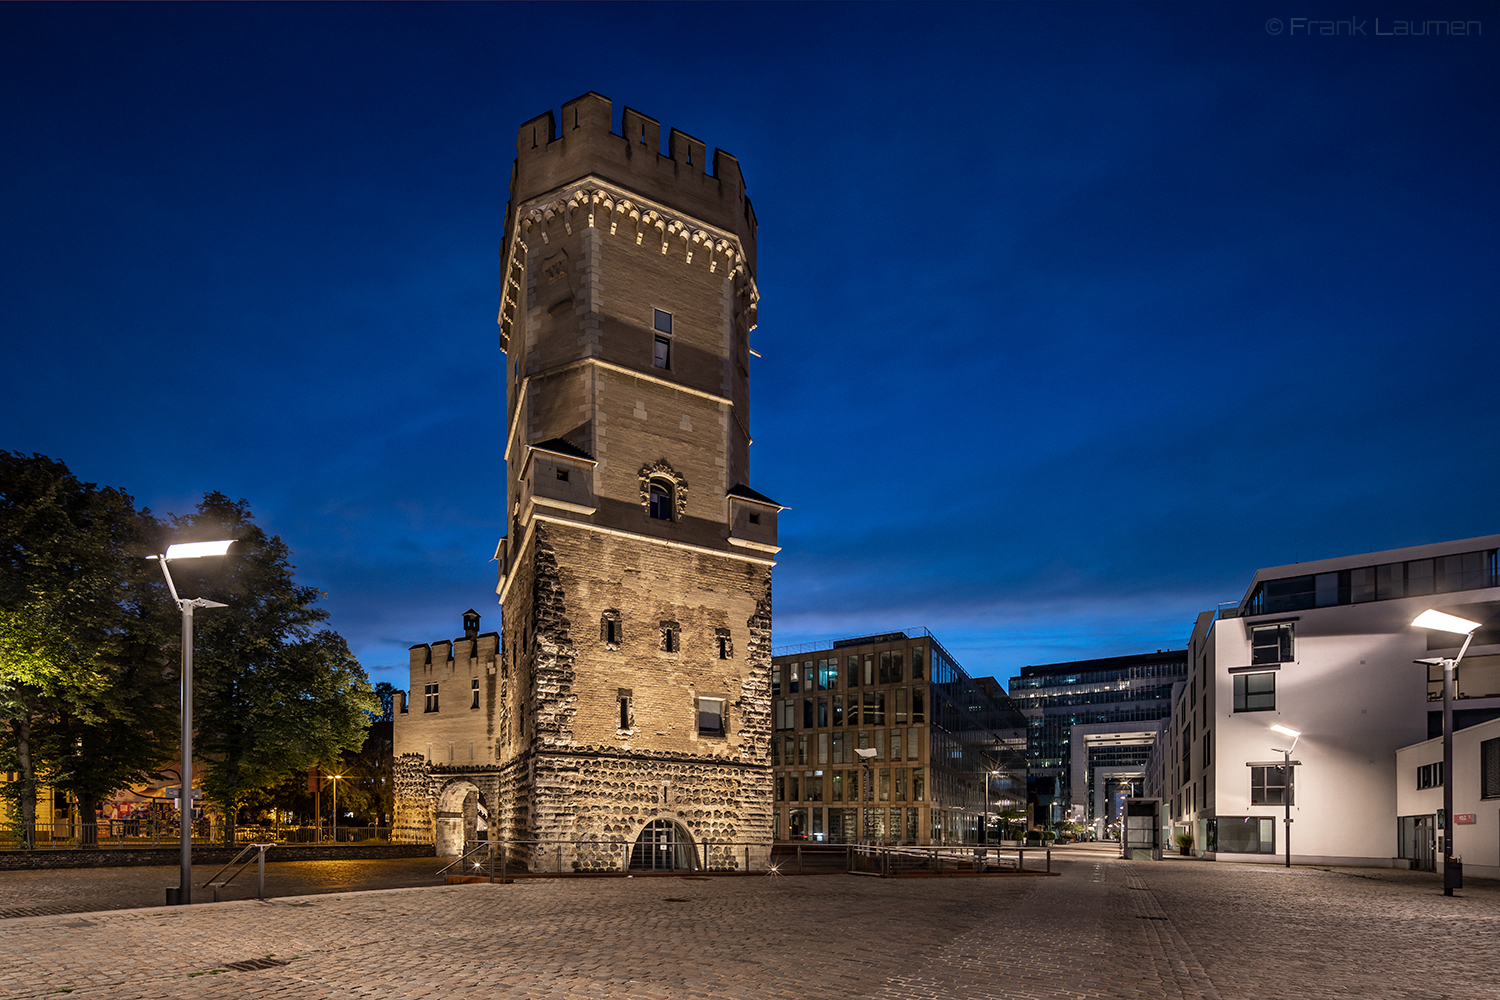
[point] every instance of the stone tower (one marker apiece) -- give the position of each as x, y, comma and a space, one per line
633, 699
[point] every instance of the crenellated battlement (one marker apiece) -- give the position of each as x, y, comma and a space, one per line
549, 157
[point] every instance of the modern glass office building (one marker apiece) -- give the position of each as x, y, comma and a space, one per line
1120, 699
940, 739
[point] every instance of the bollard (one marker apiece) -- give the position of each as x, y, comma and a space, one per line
799, 859
747, 860
502, 864
1049, 861
1020, 859
492, 864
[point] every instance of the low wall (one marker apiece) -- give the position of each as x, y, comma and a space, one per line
202, 855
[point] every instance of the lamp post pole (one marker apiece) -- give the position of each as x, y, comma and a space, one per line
1433, 619
1286, 798
188, 550
1286, 787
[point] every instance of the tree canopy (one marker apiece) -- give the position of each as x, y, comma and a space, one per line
90, 646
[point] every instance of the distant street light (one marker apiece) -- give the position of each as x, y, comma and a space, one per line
1286, 789
1452, 874
188, 550
985, 837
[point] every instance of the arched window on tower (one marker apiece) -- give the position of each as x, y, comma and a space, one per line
660, 506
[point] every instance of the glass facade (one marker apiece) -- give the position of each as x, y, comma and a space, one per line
1055, 697
939, 737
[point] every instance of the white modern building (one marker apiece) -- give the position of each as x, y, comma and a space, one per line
1476, 796
1325, 649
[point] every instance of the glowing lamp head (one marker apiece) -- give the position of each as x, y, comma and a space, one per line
1445, 622
197, 550
1283, 730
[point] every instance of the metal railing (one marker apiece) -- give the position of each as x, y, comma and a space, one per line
503, 859
243, 859
163, 833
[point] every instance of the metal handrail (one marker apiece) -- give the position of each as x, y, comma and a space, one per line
260, 856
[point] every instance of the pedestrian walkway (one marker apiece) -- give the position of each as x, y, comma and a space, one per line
1104, 928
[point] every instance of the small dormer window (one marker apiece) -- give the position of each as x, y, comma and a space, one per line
754, 518
562, 475
660, 507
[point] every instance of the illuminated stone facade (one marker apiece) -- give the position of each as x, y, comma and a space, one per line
630, 685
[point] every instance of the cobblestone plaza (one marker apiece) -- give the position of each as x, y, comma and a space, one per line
1102, 928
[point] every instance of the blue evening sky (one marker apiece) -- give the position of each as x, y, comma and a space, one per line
1072, 315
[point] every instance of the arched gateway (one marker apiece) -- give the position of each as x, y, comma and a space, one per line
462, 816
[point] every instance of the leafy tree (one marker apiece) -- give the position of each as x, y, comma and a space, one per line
386, 692
274, 691
65, 549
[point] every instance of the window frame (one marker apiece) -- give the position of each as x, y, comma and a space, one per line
1243, 694
723, 707
660, 509
1281, 650
1264, 793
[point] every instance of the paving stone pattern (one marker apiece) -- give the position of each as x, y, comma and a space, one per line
1103, 928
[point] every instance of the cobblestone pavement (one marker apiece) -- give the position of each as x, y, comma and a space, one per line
80, 890
1103, 928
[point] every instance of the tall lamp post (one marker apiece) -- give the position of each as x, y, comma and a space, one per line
1452, 873
335, 778
985, 838
188, 550
1286, 792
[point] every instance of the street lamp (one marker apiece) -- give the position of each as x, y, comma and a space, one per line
188, 550
985, 838
1286, 789
335, 778
1452, 874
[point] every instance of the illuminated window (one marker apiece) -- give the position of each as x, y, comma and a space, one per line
431, 693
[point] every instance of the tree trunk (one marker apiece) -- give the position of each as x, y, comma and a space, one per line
231, 814
88, 820
21, 727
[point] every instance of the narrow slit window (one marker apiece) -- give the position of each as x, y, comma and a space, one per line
474, 692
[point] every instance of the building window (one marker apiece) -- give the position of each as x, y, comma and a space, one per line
624, 696
754, 518
812, 786
671, 637
562, 475
1430, 775
785, 715
1255, 692
711, 716
1207, 752
659, 505
807, 711
780, 787
726, 645
663, 322
1271, 786
431, 704
611, 629
1489, 769
662, 354
474, 692
1242, 835
1271, 643
874, 708
828, 675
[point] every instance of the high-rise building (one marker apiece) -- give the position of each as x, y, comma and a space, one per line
939, 744
628, 695
1090, 726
